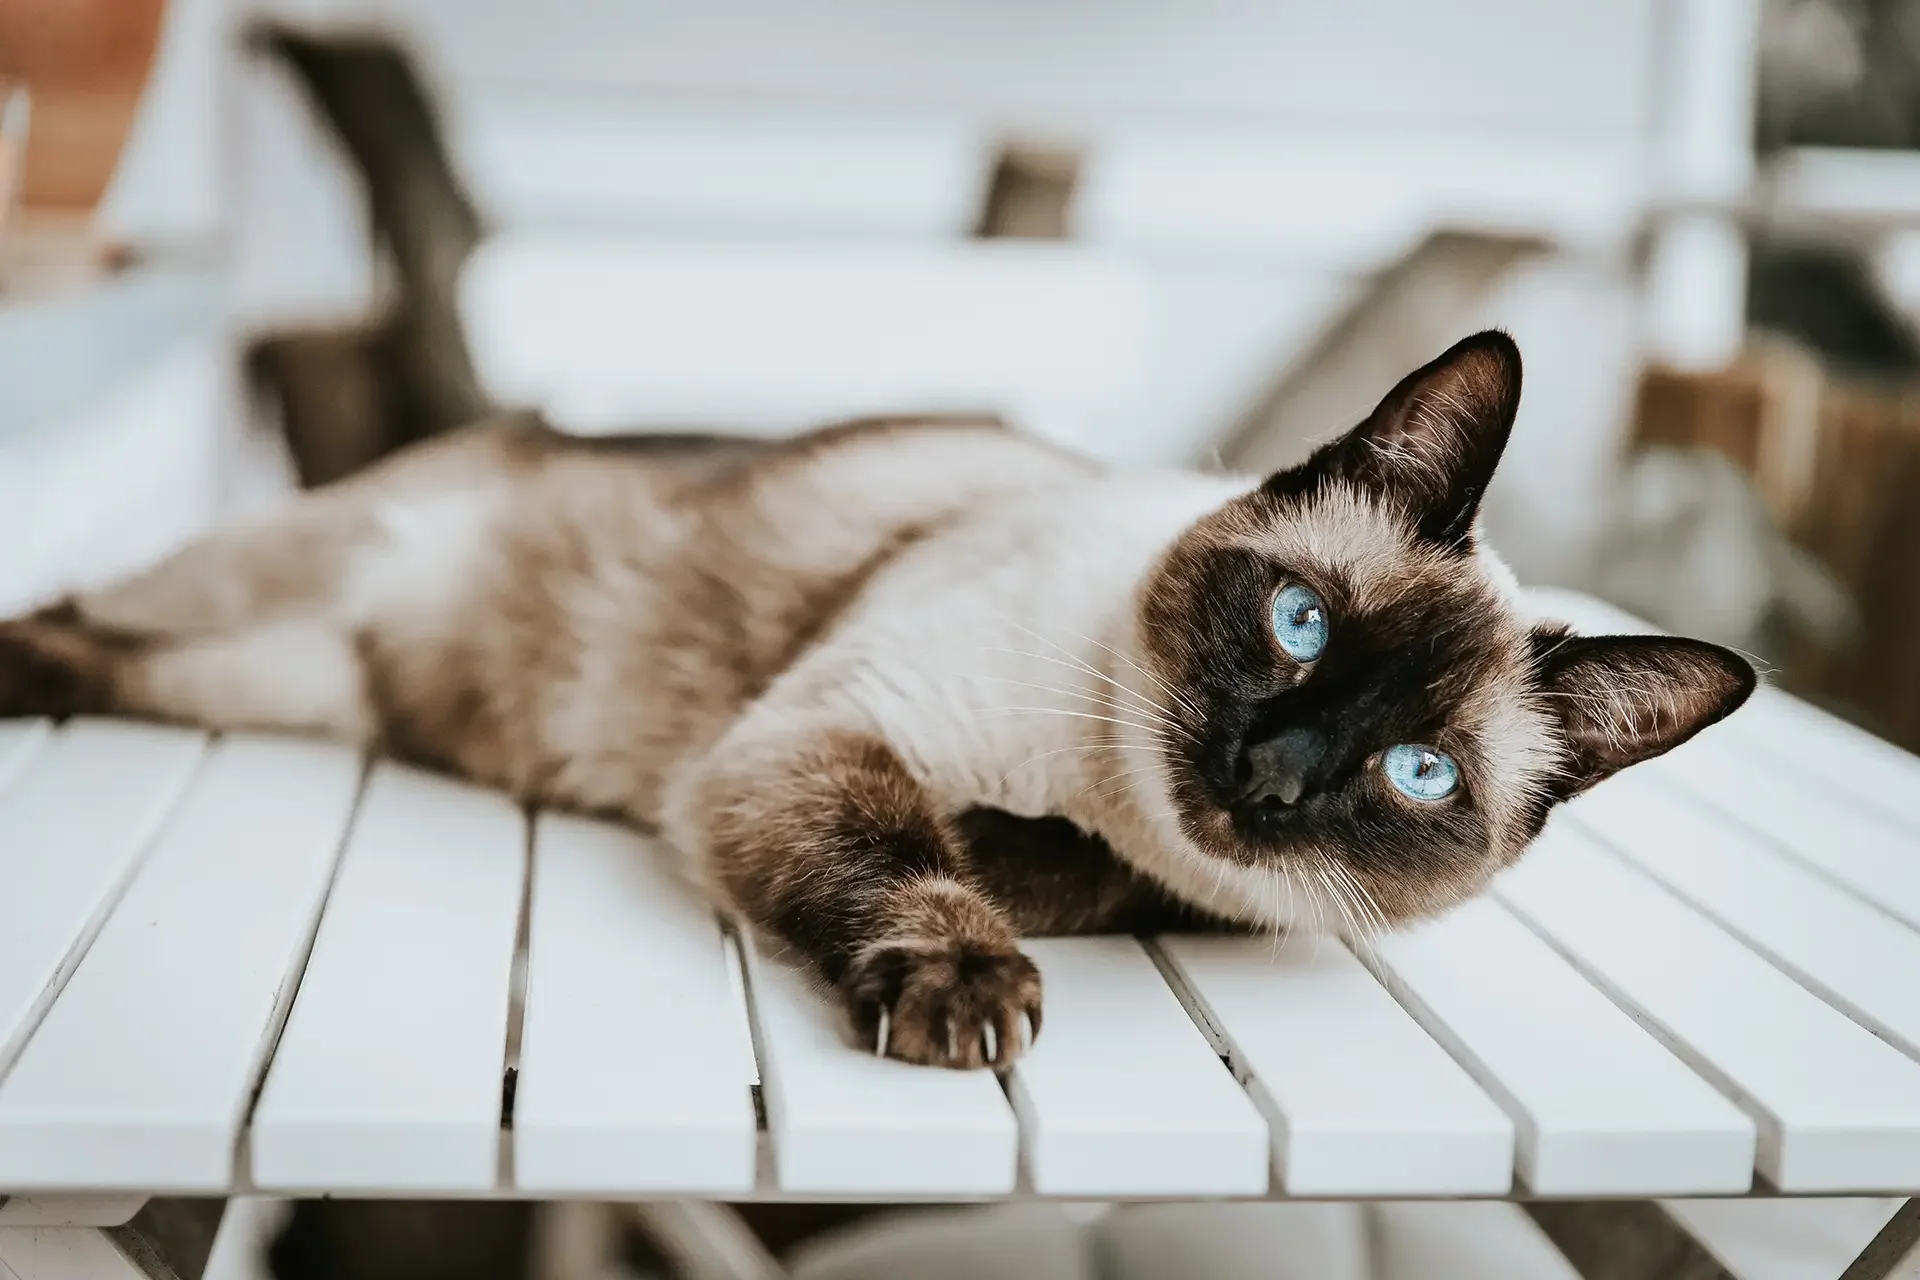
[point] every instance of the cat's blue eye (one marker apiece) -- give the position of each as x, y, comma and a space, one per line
1420, 773
1299, 622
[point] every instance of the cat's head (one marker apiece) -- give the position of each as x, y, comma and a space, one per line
1357, 692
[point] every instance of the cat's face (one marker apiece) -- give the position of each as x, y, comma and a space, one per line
1359, 702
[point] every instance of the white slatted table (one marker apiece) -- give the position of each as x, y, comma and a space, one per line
255, 965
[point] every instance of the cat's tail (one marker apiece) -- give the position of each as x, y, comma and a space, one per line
369, 93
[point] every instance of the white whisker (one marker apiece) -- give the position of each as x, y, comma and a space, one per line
1151, 730
1178, 698
1115, 777
1073, 663
1345, 908
1370, 915
1103, 743
1111, 704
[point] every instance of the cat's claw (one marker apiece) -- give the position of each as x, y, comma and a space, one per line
944, 1004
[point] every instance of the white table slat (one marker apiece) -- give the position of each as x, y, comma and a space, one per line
19, 740
1842, 756
1854, 956
77, 817
1601, 1106
1838, 1109
1122, 1094
843, 1121
141, 1073
1361, 1100
635, 1069
388, 1076
1870, 852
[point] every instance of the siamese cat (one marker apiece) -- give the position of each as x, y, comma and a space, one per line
901, 691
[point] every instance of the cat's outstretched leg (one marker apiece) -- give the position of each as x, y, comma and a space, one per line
237, 630
825, 841
258, 625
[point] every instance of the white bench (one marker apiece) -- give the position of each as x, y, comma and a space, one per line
252, 966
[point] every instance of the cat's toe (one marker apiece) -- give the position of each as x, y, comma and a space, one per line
944, 1004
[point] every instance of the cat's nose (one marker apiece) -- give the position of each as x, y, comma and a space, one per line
1278, 769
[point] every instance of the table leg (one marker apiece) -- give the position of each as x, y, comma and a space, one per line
706, 1240
1894, 1254
1624, 1240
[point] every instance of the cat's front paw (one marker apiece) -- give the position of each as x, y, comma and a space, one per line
944, 1003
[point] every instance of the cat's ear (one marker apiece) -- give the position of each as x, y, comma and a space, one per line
1432, 444
1624, 699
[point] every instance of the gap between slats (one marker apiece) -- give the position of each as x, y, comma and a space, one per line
1525, 1130
743, 1005
283, 1009
1839, 988
517, 993
764, 1175
636, 1064
153, 840
1209, 1026
413, 955
1854, 881
82, 942
1674, 1044
1834, 1106
200, 958
22, 743
1204, 1018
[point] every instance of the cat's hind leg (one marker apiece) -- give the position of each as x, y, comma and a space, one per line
242, 628
292, 564
259, 625
297, 672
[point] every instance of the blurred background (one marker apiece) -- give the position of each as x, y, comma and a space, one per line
255, 244
250, 246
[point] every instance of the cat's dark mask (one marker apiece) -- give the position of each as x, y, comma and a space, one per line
1362, 698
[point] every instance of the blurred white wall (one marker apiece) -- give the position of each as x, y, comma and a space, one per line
1578, 65
1249, 164
1253, 162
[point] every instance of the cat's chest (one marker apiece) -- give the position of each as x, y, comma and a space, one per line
986, 710
998, 660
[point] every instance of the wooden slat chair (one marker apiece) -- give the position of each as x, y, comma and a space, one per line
255, 966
